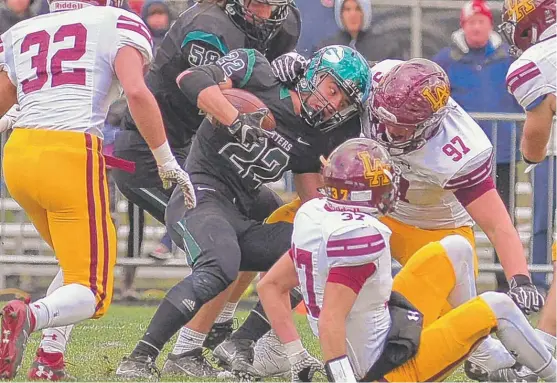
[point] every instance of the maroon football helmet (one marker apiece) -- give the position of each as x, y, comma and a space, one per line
412, 97
524, 21
361, 174
68, 5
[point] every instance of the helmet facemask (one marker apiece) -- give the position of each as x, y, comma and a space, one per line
258, 30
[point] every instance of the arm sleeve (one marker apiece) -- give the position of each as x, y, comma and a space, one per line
132, 31
202, 48
354, 246
527, 83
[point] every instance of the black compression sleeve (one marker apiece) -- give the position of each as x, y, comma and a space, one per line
196, 79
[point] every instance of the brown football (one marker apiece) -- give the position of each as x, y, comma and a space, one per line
247, 102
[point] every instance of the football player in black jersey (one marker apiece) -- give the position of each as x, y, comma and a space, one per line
230, 160
203, 33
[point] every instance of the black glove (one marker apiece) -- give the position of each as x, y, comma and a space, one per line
524, 294
247, 127
289, 67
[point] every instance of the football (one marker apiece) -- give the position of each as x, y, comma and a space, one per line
247, 102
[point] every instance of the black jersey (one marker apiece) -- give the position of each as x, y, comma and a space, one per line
294, 145
200, 35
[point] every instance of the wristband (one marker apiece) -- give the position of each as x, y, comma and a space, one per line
339, 370
163, 154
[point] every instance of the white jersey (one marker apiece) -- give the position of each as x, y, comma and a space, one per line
62, 64
324, 239
458, 157
534, 75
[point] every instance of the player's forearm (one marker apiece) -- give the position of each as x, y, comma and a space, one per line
332, 335
147, 116
534, 143
212, 101
508, 246
277, 307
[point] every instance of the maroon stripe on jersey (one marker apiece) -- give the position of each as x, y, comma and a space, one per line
92, 218
473, 178
1, 47
468, 195
104, 225
129, 24
522, 75
354, 247
352, 277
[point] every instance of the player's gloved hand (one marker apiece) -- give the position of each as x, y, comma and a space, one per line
247, 127
523, 292
172, 173
303, 366
340, 370
289, 67
8, 120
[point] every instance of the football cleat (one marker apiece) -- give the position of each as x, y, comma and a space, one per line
218, 334
191, 363
237, 355
15, 327
516, 373
138, 367
270, 359
48, 366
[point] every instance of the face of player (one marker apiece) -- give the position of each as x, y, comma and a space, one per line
399, 133
477, 29
258, 9
328, 98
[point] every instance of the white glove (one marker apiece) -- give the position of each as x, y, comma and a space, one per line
8, 120
171, 173
303, 366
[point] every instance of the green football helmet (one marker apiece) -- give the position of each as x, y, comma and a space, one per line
350, 71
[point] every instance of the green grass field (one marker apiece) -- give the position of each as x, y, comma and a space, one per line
97, 346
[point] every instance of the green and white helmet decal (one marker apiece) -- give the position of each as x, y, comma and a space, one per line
350, 71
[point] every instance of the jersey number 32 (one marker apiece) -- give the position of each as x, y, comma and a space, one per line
39, 61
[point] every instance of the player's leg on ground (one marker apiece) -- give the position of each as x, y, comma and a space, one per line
440, 274
261, 246
256, 324
49, 362
215, 265
446, 342
81, 232
518, 336
186, 357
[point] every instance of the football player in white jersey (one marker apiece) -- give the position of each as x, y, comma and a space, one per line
341, 258
64, 69
530, 28
446, 183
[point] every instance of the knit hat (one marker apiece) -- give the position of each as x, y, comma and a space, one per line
473, 7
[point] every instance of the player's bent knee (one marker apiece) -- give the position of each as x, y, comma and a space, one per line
501, 304
459, 250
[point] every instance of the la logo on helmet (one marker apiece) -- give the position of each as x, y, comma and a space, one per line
518, 9
333, 54
437, 97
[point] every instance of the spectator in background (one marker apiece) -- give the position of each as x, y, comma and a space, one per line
353, 18
318, 21
477, 63
156, 15
13, 12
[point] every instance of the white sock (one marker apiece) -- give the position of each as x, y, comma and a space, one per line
67, 305
227, 312
188, 340
55, 339
518, 336
492, 355
548, 340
